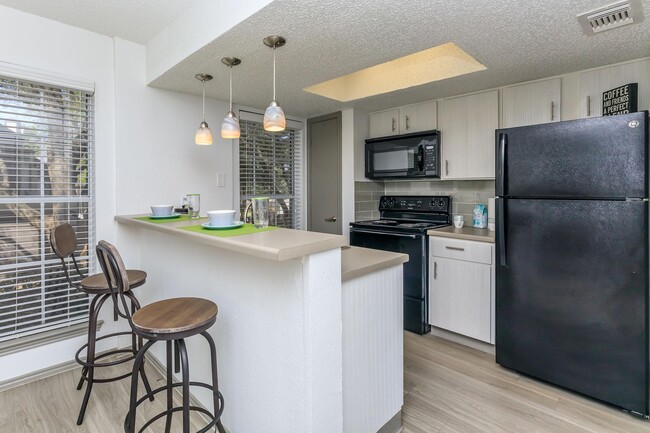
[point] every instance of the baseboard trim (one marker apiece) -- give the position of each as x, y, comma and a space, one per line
42, 373
394, 425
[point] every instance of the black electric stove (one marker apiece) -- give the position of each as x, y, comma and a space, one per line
402, 228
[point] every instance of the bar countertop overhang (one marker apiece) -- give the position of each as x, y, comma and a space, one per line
280, 244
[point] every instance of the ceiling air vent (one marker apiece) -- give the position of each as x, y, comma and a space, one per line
610, 17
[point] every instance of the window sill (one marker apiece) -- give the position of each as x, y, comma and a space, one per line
43, 338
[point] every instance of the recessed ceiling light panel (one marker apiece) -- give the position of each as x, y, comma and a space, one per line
433, 64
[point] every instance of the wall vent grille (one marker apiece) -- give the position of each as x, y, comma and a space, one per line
610, 17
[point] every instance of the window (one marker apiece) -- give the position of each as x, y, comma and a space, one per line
270, 165
46, 178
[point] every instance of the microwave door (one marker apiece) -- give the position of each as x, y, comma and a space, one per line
393, 162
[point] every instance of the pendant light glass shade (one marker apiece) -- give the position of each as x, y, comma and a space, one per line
230, 125
274, 118
203, 136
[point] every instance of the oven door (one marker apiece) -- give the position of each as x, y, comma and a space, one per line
415, 270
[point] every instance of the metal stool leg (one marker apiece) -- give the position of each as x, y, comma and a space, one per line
129, 422
90, 355
136, 344
185, 367
215, 380
84, 370
170, 389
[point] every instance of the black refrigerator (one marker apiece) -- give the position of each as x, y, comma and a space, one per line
572, 256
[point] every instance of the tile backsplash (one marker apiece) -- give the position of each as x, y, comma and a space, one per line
465, 194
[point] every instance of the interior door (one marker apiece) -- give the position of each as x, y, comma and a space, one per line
324, 209
572, 295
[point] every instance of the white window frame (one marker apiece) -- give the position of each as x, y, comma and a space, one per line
49, 334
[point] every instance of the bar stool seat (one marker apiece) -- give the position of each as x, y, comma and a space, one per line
165, 320
97, 285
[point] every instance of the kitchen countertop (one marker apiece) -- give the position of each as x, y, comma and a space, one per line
357, 261
279, 244
465, 233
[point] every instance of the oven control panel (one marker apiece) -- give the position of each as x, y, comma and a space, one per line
415, 203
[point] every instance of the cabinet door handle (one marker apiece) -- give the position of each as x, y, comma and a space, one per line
446, 167
455, 248
407, 123
393, 127
588, 105
435, 270
552, 110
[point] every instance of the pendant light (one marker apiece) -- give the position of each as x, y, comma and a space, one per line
203, 135
230, 125
274, 119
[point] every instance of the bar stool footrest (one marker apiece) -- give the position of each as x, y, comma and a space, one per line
215, 417
104, 355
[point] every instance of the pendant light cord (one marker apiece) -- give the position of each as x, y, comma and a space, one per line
203, 100
230, 67
274, 73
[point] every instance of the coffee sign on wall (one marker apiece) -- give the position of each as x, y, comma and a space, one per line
620, 100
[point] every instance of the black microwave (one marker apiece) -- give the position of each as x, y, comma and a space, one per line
415, 155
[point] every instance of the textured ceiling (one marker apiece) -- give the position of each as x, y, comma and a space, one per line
133, 20
517, 41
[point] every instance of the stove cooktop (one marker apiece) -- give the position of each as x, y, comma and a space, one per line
392, 225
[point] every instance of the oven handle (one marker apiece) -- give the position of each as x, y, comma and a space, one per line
383, 233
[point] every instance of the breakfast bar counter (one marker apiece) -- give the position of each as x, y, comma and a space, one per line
281, 328
279, 244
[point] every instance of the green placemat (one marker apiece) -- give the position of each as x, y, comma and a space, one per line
245, 229
163, 220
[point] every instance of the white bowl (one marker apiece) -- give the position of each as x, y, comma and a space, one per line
219, 218
162, 209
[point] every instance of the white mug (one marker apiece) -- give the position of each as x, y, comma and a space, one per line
459, 221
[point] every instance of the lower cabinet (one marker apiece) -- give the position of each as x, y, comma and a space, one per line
461, 288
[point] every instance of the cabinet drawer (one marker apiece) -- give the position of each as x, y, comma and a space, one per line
479, 252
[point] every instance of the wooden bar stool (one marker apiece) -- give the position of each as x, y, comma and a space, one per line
172, 321
64, 243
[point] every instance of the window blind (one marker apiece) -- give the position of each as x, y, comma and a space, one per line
46, 178
270, 165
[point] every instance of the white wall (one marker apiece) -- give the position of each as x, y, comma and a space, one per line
354, 131
157, 161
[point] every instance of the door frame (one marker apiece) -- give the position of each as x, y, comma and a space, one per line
339, 205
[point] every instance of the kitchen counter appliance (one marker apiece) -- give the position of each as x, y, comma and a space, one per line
572, 256
402, 227
415, 155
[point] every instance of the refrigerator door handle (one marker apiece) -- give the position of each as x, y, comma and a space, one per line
501, 232
501, 164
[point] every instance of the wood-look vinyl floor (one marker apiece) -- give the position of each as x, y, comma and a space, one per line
448, 388
51, 405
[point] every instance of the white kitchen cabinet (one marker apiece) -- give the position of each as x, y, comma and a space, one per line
384, 123
533, 103
467, 125
418, 117
404, 120
461, 292
594, 83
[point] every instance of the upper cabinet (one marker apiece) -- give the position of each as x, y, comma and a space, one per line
404, 120
467, 126
533, 103
594, 83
